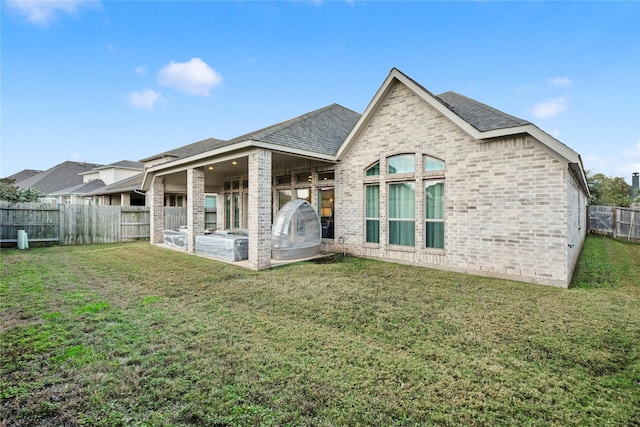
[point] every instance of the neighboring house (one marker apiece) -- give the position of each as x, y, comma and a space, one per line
125, 192
121, 184
77, 194
114, 172
62, 176
435, 181
23, 174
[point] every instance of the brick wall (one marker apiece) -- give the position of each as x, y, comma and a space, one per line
260, 209
195, 206
155, 201
506, 199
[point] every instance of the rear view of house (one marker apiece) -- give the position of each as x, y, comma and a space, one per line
435, 181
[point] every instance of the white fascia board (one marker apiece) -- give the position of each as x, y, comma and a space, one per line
200, 156
367, 115
223, 154
294, 151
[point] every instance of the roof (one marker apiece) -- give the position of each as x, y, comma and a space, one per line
23, 174
188, 150
476, 119
479, 115
125, 164
321, 131
82, 189
126, 185
59, 177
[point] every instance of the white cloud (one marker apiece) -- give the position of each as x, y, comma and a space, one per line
546, 109
560, 81
141, 71
145, 99
621, 164
193, 77
44, 12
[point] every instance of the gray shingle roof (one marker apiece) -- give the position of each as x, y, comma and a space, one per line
479, 115
321, 131
123, 164
84, 188
190, 149
59, 177
126, 185
23, 174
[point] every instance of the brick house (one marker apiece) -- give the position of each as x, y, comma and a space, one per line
435, 181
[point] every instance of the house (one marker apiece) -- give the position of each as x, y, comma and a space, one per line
121, 182
77, 194
60, 177
23, 174
434, 181
125, 192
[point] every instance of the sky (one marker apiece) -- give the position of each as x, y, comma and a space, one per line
104, 81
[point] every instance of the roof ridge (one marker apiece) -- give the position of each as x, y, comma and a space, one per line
272, 129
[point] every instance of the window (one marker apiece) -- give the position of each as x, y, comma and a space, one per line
373, 170
227, 211
324, 176
325, 207
434, 214
402, 203
283, 180
403, 163
304, 193
236, 210
302, 178
372, 214
283, 197
210, 201
431, 164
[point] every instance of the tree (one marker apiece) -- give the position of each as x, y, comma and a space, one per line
11, 193
608, 191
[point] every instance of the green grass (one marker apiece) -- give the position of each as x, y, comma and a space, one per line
133, 334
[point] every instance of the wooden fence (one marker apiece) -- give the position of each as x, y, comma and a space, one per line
85, 224
622, 223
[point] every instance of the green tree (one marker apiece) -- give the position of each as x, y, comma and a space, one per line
11, 193
608, 191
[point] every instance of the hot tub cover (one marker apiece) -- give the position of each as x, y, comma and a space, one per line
296, 231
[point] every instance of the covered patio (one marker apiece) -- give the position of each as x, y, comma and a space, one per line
252, 177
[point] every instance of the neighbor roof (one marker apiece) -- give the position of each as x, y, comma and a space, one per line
23, 174
126, 185
80, 189
59, 177
126, 164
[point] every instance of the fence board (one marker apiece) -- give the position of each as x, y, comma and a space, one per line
175, 217
86, 224
614, 221
40, 221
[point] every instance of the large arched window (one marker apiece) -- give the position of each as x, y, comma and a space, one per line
404, 178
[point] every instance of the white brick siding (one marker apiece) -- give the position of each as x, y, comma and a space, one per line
509, 201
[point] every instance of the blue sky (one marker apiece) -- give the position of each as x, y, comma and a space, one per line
113, 80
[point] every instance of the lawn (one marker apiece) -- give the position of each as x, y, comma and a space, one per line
134, 334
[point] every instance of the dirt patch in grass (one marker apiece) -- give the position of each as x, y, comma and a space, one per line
135, 334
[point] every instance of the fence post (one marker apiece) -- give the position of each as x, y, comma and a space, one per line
614, 221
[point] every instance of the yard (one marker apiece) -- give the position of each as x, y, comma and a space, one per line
133, 334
